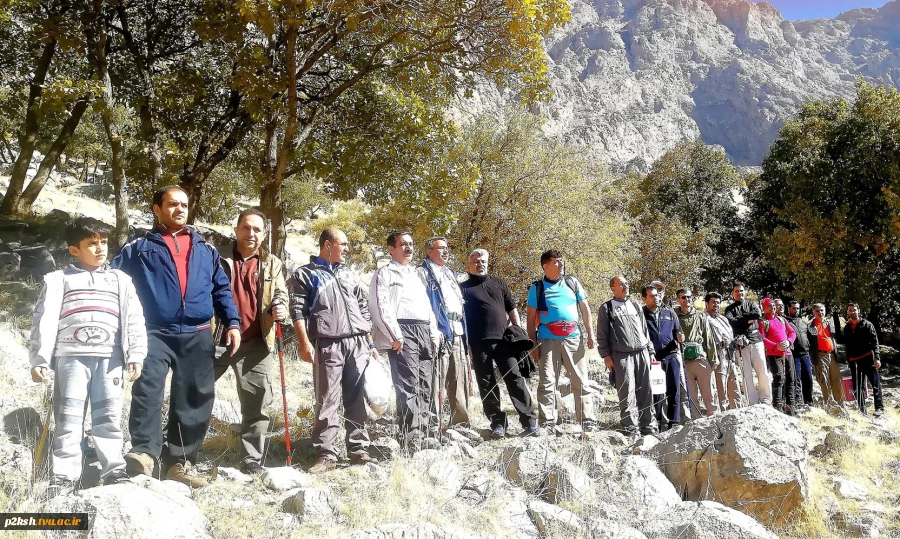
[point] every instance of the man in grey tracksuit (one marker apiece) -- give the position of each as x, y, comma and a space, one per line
331, 318
624, 344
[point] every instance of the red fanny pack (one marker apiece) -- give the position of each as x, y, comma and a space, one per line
561, 328
867, 354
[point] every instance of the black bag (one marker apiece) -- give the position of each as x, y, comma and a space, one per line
516, 342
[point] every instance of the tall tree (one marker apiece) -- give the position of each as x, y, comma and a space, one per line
827, 208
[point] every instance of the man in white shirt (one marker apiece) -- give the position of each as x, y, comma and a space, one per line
405, 327
451, 366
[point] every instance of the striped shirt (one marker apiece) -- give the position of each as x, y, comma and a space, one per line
89, 318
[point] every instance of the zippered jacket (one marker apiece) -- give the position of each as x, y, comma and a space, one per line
813, 332
271, 288
741, 314
390, 283
861, 340
775, 330
147, 259
131, 337
438, 307
697, 329
330, 299
801, 345
619, 331
662, 334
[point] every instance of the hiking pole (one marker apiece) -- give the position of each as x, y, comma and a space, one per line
279, 344
41, 445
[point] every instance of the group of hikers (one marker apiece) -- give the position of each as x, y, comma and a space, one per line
167, 302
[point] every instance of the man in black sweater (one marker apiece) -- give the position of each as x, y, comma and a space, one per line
861, 342
489, 309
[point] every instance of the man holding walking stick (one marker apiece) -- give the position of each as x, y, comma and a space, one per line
331, 318
260, 294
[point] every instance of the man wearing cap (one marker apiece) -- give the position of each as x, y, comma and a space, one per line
744, 316
685, 402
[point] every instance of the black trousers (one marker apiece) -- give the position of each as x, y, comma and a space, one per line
861, 370
190, 356
485, 355
791, 381
411, 374
775, 364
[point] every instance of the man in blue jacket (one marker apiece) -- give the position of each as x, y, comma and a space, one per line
452, 368
665, 334
181, 284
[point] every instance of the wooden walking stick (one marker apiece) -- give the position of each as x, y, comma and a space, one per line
40, 448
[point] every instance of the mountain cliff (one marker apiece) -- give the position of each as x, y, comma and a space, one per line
632, 78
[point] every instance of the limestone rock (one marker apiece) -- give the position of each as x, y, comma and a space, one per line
567, 482
226, 415
384, 448
864, 525
447, 476
410, 531
112, 513
526, 467
477, 487
656, 493
643, 445
284, 478
309, 503
607, 528
850, 489
838, 440
751, 458
552, 520
233, 474
513, 515
704, 520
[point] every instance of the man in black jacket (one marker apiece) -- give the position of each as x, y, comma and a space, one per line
744, 316
802, 363
861, 342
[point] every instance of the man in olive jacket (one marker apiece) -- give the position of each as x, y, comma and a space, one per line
261, 297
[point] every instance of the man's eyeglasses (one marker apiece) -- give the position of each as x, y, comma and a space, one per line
687, 297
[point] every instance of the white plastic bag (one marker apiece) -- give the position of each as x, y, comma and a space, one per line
657, 379
378, 385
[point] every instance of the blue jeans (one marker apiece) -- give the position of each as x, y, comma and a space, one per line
668, 406
805, 378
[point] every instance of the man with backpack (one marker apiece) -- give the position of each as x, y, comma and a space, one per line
553, 305
778, 336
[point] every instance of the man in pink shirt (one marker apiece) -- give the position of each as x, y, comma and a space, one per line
778, 336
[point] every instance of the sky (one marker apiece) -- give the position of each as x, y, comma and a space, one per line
794, 10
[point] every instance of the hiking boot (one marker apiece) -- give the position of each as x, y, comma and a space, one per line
362, 458
251, 467
498, 432
879, 412
531, 432
116, 477
179, 472
138, 464
322, 465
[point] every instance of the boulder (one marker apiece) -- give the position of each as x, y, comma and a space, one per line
233, 474
9, 265
653, 490
527, 467
858, 525
513, 516
476, 488
447, 476
838, 439
850, 489
751, 458
567, 482
171, 489
309, 503
605, 528
704, 520
643, 445
384, 448
113, 513
284, 478
35, 262
410, 531
552, 520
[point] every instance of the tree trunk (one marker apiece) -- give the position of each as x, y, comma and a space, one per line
272, 204
151, 139
52, 158
29, 134
95, 32
192, 181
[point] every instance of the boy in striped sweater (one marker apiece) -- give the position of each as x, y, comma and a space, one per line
88, 325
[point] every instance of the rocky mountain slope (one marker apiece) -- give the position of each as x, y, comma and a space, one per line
631, 78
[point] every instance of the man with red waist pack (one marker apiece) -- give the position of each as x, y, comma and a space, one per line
553, 305
861, 342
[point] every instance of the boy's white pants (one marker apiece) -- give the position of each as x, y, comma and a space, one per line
80, 380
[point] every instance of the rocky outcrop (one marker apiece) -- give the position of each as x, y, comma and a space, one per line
631, 78
705, 520
752, 459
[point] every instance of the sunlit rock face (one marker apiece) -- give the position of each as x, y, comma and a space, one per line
632, 78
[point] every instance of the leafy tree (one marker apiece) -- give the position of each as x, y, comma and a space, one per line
503, 186
683, 209
826, 208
